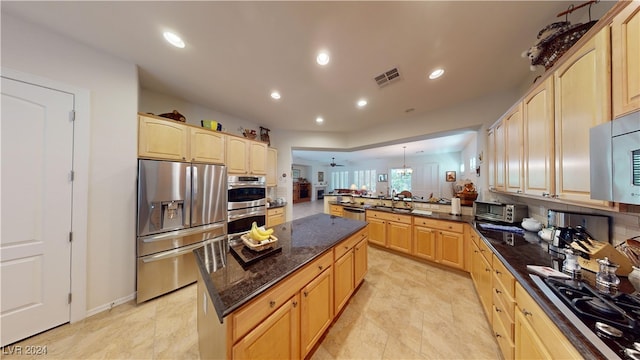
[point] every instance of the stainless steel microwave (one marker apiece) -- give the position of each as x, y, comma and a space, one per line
494, 211
614, 149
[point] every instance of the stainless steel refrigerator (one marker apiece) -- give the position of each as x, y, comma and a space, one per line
181, 206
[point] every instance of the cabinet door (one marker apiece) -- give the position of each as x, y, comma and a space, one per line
277, 337
206, 146
399, 236
361, 260
272, 167
316, 310
537, 115
258, 158
528, 345
513, 148
424, 243
237, 155
344, 280
625, 57
162, 139
482, 271
377, 231
491, 159
582, 101
499, 157
451, 249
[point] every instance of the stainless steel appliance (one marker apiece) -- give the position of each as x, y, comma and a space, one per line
181, 206
614, 150
246, 203
597, 225
354, 213
494, 211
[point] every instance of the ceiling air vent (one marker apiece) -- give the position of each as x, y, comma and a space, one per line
387, 77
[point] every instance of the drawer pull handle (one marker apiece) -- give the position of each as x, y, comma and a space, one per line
498, 310
487, 269
295, 303
498, 335
272, 303
319, 267
526, 313
306, 294
498, 291
498, 272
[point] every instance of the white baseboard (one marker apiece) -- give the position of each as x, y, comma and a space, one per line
110, 305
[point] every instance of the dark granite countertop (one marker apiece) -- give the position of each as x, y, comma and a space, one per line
230, 285
275, 206
516, 252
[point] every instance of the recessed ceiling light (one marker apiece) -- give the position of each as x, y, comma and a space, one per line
275, 95
436, 74
319, 120
322, 58
362, 103
173, 39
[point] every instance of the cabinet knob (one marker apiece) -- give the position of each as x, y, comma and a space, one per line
295, 303
319, 267
487, 269
498, 291
272, 303
545, 194
526, 313
184, 158
498, 310
498, 272
498, 335
306, 294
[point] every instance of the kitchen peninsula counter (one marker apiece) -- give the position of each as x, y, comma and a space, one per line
230, 285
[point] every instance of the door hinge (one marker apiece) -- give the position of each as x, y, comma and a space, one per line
69, 298
72, 115
71, 175
70, 236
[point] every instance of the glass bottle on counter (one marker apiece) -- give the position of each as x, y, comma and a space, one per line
606, 280
570, 264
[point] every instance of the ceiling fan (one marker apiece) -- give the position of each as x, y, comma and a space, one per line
333, 163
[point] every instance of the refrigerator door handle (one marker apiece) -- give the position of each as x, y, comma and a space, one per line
181, 251
188, 198
181, 233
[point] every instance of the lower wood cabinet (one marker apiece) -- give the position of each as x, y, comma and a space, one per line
277, 336
344, 281
393, 231
336, 210
439, 241
316, 308
361, 261
275, 217
349, 268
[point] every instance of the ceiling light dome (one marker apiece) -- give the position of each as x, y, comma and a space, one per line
436, 73
319, 120
173, 39
322, 58
362, 103
275, 95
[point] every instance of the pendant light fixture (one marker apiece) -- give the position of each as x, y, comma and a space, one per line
405, 170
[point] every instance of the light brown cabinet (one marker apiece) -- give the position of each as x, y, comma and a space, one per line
482, 275
336, 210
439, 241
277, 336
538, 124
625, 58
246, 156
301, 192
206, 146
499, 157
162, 139
349, 267
361, 262
316, 308
503, 291
491, 159
393, 231
513, 148
272, 167
275, 217
582, 100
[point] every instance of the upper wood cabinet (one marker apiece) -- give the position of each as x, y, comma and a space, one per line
272, 167
538, 125
513, 148
246, 156
625, 57
490, 159
582, 100
162, 139
206, 146
499, 157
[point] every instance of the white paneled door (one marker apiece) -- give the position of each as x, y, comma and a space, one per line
36, 188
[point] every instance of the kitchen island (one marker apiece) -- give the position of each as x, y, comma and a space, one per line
243, 309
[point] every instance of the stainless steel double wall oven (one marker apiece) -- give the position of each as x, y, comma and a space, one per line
246, 203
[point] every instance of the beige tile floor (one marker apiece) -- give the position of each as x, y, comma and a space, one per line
405, 309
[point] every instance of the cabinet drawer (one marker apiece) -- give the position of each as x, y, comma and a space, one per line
383, 215
349, 243
505, 312
439, 224
250, 315
505, 341
501, 274
505, 302
554, 341
486, 252
276, 211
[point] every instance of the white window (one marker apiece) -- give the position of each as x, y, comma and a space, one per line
340, 180
366, 178
400, 180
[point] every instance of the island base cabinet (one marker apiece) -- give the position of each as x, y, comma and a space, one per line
528, 344
316, 308
276, 337
212, 338
344, 280
361, 261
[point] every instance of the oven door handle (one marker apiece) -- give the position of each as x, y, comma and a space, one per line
245, 215
247, 185
181, 251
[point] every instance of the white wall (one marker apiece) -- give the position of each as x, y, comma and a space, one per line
113, 87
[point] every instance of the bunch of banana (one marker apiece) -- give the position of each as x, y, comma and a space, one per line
259, 234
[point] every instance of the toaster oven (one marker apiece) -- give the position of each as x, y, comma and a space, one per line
494, 211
